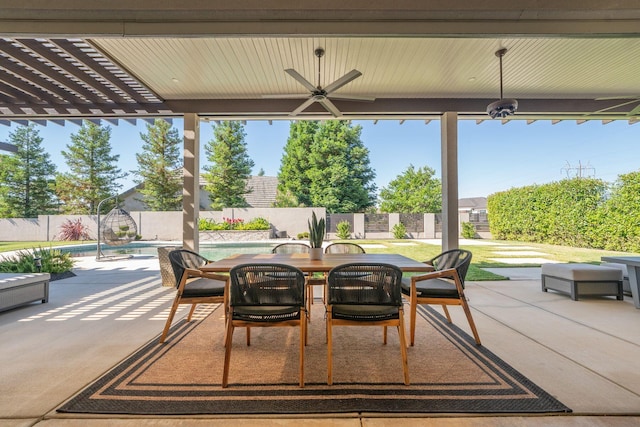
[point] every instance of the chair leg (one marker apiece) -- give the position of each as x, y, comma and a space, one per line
309, 300
303, 343
472, 324
227, 353
446, 313
384, 335
329, 351
172, 313
193, 308
403, 349
248, 336
413, 308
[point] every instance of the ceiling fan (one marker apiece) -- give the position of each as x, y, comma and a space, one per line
503, 107
631, 100
321, 94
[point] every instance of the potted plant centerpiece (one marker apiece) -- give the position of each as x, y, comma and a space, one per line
316, 236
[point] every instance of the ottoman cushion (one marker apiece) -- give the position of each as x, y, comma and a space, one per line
582, 272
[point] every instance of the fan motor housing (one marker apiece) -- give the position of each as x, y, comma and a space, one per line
502, 107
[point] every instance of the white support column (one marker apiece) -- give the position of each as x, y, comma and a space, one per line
191, 189
449, 148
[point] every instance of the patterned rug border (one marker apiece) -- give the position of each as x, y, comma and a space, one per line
339, 398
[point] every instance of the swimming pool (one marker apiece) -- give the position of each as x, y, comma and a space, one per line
212, 251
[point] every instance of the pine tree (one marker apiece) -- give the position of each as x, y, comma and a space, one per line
93, 170
226, 178
159, 167
28, 177
293, 179
339, 169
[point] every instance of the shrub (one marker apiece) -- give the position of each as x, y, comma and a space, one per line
468, 230
74, 230
255, 224
206, 224
343, 230
52, 260
302, 236
399, 231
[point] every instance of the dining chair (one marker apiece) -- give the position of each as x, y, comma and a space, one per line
344, 248
301, 248
444, 286
194, 286
265, 295
291, 248
365, 294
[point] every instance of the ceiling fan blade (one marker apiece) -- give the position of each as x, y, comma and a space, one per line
286, 96
302, 107
304, 82
352, 98
351, 75
617, 97
330, 107
635, 111
614, 107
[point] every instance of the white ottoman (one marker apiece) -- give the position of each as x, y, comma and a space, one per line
582, 279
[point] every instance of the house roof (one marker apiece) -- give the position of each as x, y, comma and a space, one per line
472, 203
264, 190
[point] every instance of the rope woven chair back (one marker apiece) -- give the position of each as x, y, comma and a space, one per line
344, 248
365, 283
459, 259
291, 248
182, 259
266, 284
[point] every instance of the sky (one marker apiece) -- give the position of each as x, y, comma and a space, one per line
492, 157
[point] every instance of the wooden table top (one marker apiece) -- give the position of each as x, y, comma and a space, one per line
328, 261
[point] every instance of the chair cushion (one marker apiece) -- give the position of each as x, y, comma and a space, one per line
364, 312
203, 287
265, 313
432, 288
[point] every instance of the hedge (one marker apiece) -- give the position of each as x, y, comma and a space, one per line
579, 212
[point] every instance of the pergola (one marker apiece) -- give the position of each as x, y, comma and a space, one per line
218, 60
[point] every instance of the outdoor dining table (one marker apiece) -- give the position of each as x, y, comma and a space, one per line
324, 265
633, 268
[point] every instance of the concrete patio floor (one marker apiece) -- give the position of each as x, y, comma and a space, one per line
585, 353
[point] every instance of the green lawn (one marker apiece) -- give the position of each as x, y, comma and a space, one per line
15, 246
483, 254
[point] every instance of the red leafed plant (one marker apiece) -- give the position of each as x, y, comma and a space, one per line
74, 230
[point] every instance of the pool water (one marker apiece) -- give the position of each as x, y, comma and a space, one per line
212, 251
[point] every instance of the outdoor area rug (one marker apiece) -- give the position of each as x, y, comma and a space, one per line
448, 373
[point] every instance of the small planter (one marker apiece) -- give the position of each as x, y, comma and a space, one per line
315, 254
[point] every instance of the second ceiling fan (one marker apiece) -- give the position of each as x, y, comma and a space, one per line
321, 94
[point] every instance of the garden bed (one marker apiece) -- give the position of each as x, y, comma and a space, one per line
235, 235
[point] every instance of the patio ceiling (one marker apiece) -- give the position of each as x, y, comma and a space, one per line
411, 71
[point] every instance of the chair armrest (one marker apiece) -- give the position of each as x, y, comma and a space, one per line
214, 276
450, 273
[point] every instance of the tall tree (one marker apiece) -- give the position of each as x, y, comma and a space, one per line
28, 178
93, 170
226, 178
413, 191
293, 179
159, 167
8, 163
339, 169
